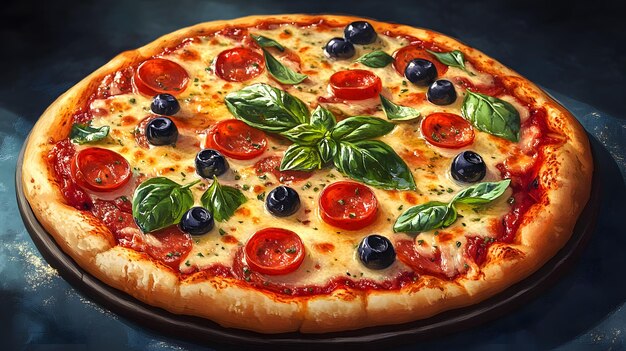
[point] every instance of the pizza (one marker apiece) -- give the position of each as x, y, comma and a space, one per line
307, 173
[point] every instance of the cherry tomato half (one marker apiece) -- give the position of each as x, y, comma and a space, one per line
100, 169
157, 75
238, 64
404, 55
447, 130
356, 84
236, 139
274, 251
348, 205
271, 164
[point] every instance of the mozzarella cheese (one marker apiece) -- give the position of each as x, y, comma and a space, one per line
202, 104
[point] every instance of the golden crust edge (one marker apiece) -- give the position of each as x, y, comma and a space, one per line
310, 315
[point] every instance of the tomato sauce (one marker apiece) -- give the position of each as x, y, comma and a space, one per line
116, 215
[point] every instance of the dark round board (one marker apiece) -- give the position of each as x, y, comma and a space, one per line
209, 333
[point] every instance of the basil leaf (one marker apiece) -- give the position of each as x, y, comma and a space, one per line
323, 119
304, 134
361, 128
222, 200
301, 158
453, 59
281, 72
398, 112
481, 193
266, 42
491, 115
84, 133
375, 163
375, 59
327, 148
267, 108
160, 202
425, 217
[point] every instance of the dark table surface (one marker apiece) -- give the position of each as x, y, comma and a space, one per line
577, 51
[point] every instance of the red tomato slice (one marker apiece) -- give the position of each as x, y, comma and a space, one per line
173, 247
101, 170
239, 64
272, 164
404, 55
356, 84
406, 252
274, 251
447, 130
157, 75
348, 205
236, 139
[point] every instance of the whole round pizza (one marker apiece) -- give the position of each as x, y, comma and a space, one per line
307, 173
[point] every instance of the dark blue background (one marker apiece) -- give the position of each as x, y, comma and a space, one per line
577, 50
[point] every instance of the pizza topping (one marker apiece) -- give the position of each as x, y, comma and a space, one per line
160, 202
282, 201
370, 161
266, 42
236, 139
238, 64
161, 131
271, 164
197, 221
165, 104
441, 92
222, 201
360, 32
157, 75
348, 205
375, 59
396, 112
376, 252
447, 130
274, 251
452, 59
100, 170
356, 84
420, 72
435, 214
418, 260
169, 245
280, 72
408, 53
468, 167
492, 115
210, 163
339, 48
85, 133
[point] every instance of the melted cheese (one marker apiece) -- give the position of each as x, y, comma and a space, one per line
202, 105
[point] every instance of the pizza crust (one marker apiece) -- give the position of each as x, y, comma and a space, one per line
230, 303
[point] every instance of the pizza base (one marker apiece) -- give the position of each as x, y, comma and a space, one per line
566, 175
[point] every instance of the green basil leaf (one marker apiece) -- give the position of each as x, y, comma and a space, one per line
491, 115
375, 59
160, 202
327, 148
84, 133
398, 112
267, 108
266, 42
323, 119
361, 128
304, 134
222, 200
425, 217
453, 59
481, 193
375, 163
301, 158
281, 72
